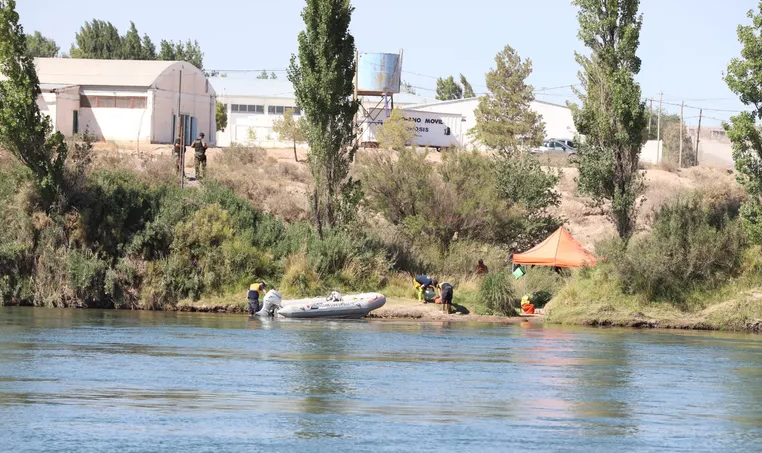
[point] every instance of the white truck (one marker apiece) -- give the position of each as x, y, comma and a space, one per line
435, 130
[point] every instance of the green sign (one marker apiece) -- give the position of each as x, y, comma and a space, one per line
519, 272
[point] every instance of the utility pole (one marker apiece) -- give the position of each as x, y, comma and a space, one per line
658, 133
698, 135
680, 158
180, 131
650, 114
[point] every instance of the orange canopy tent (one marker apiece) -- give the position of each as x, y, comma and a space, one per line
560, 249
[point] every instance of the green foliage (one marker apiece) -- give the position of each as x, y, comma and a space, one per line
221, 116
448, 89
188, 51
504, 119
291, 130
396, 133
612, 116
97, 40
38, 45
470, 196
323, 79
744, 78
468, 90
499, 295
693, 244
671, 137
24, 131
264, 75
101, 40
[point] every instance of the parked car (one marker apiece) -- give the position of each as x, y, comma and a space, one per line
555, 146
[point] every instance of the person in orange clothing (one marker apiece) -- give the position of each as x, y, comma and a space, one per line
527, 306
481, 268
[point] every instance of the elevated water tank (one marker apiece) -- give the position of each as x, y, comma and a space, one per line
378, 73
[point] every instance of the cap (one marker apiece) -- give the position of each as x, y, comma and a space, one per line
202, 134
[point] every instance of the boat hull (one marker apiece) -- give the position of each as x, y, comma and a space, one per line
350, 307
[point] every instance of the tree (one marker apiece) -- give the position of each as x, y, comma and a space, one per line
24, 131
323, 79
265, 76
40, 46
396, 132
744, 78
98, 40
132, 45
149, 48
671, 138
405, 87
448, 89
221, 115
504, 119
189, 52
468, 90
612, 115
290, 129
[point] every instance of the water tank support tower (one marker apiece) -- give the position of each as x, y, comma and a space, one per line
377, 75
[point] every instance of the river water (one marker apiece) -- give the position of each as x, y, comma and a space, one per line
97, 381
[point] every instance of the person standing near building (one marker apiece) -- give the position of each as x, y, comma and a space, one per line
199, 145
177, 153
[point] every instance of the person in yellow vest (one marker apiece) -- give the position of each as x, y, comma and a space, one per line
256, 294
526, 305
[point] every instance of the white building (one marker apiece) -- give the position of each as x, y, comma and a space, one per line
254, 104
124, 100
558, 118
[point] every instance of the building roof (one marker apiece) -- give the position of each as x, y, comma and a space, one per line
76, 71
280, 88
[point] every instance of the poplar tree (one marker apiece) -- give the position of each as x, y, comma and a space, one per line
323, 79
24, 131
744, 78
612, 115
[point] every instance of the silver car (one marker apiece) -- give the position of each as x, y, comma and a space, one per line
554, 145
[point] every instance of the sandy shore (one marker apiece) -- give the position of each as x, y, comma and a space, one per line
394, 309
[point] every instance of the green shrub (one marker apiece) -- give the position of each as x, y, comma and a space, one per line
498, 294
692, 245
86, 276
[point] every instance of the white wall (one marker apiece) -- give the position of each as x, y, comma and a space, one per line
67, 101
262, 124
559, 122
197, 100
652, 152
47, 104
117, 124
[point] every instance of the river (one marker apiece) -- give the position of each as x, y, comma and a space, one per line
97, 381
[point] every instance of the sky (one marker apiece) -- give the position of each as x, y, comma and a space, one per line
685, 44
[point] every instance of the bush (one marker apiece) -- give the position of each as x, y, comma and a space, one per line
693, 244
499, 295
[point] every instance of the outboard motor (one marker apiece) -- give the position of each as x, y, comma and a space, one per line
270, 304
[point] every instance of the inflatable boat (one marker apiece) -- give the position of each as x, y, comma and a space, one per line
335, 306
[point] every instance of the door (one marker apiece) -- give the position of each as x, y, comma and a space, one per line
194, 127
75, 122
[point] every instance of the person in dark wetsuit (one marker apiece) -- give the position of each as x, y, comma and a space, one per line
256, 294
445, 295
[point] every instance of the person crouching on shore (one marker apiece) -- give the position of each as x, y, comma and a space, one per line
256, 293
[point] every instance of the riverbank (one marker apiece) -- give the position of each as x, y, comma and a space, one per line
596, 302
394, 309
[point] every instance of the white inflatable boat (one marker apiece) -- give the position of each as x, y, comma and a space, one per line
335, 306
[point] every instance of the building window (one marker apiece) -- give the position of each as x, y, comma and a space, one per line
275, 109
241, 108
121, 102
296, 110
